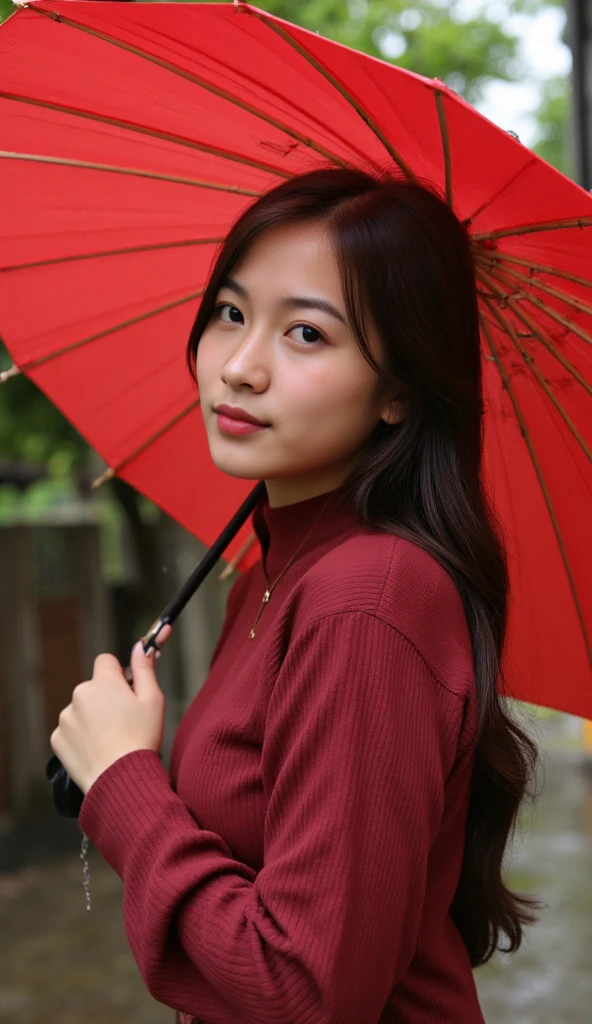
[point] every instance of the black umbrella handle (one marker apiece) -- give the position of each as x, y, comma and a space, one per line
67, 796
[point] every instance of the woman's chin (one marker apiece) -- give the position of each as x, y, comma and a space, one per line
242, 469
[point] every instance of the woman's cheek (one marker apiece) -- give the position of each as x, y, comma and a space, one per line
205, 365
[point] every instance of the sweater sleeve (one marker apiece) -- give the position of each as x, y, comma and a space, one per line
359, 738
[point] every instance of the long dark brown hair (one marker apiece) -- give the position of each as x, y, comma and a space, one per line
406, 263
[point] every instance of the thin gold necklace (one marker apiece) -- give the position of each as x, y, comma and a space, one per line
269, 591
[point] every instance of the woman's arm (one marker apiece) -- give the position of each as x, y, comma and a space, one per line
359, 739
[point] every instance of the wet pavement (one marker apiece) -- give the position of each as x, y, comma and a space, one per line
61, 964
549, 979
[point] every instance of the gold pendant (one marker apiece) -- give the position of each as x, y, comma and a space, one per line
264, 600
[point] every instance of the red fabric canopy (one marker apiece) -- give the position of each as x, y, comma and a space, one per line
133, 135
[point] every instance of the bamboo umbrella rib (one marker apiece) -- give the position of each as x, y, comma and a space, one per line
538, 332
240, 554
550, 312
530, 361
177, 140
337, 84
196, 80
527, 229
493, 198
13, 371
504, 257
32, 363
113, 470
557, 293
103, 253
131, 171
544, 489
445, 136
483, 317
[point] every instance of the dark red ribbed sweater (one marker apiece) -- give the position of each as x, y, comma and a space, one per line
297, 864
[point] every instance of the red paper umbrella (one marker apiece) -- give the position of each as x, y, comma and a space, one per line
132, 137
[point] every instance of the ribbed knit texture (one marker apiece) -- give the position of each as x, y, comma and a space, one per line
297, 863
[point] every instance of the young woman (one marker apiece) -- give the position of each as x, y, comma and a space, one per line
327, 846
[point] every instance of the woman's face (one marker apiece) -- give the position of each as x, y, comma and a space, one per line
297, 368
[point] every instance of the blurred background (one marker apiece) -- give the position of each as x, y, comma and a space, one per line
86, 570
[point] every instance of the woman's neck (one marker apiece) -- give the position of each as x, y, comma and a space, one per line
288, 490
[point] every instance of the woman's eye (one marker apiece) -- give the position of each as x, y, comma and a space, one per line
310, 335
307, 332
232, 309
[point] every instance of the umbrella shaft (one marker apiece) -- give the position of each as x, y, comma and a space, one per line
209, 560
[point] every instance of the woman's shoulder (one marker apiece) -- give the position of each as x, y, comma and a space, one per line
398, 581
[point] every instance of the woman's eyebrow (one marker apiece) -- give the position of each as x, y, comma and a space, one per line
290, 301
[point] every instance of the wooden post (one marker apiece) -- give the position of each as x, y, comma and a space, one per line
23, 700
91, 591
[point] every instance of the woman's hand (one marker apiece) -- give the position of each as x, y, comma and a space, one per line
107, 719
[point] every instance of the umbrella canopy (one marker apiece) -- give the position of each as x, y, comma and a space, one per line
133, 135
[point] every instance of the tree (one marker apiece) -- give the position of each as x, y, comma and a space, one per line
552, 117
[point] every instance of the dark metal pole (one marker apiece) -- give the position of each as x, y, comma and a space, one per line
580, 41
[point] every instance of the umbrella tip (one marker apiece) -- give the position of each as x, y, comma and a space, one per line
102, 479
7, 374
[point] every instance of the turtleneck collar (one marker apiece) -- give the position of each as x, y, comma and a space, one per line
281, 530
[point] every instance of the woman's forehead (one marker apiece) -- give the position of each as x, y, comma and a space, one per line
304, 249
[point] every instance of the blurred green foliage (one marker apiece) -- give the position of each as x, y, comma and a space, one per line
32, 429
552, 124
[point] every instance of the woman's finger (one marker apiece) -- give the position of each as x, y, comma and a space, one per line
162, 637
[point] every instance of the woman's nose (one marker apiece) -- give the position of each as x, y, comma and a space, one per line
249, 363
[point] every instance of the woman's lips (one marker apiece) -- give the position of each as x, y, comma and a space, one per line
237, 428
